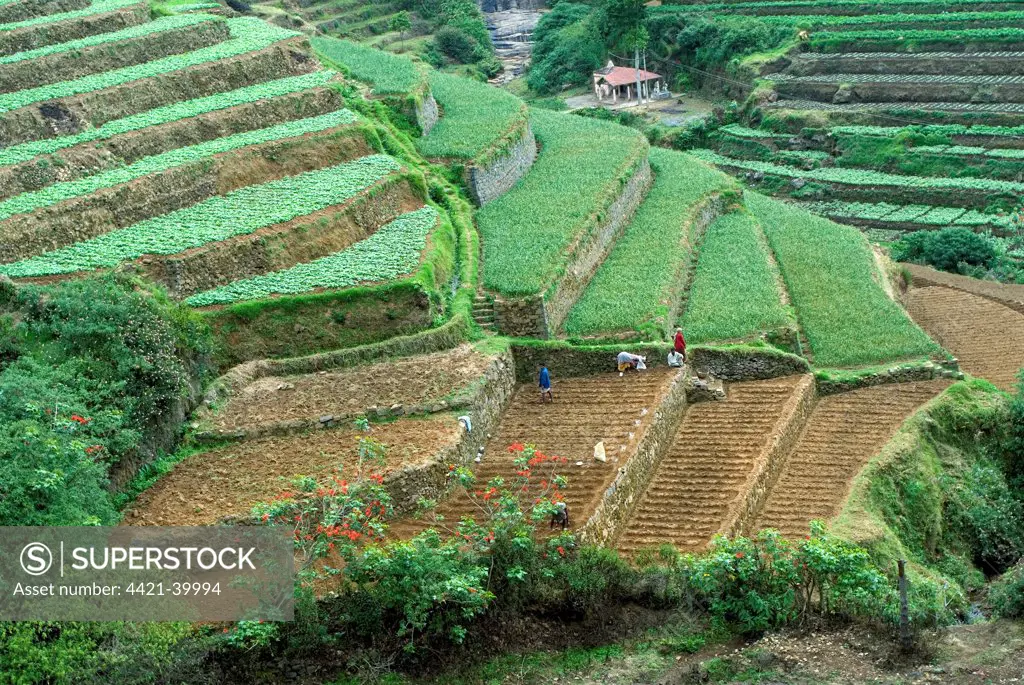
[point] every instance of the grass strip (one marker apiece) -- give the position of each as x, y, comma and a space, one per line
248, 34
157, 26
832, 280
386, 72
478, 119
635, 287
59, 192
735, 291
582, 167
238, 213
167, 114
393, 251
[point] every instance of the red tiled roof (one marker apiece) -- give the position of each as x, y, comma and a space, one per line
622, 76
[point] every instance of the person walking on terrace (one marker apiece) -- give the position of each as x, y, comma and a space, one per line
544, 381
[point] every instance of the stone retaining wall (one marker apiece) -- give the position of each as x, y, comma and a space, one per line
541, 316
427, 113
567, 361
769, 463
745, 363
900, 373
620, 498
490, 182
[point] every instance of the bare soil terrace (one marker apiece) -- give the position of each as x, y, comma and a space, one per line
228, 481
610, 408
842, 434
424, 379
987, 338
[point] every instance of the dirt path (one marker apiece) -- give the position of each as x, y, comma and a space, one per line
843, 432
425, 379
228, 481
707, 465
586, 411
986, 337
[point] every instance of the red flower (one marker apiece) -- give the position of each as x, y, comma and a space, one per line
561, 551
516, 447
740, 555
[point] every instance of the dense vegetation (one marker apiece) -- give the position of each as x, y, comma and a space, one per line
386, 72
88, 370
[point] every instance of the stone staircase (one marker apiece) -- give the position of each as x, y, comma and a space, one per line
483, 312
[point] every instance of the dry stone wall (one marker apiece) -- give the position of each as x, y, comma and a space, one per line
427, 113
493, 180
745, 363
621, 497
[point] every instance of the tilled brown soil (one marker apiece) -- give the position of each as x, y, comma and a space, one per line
843, 432
586, 411
423, 379
986, 337
708, 464
228, 481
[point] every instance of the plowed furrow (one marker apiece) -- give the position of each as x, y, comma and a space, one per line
616, 410
707, 465
843, 432
986, 337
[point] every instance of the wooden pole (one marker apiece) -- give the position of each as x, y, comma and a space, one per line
905, 635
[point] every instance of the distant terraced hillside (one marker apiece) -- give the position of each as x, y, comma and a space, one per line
216, 157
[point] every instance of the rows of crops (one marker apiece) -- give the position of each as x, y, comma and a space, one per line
940, 79
581, 169
167, 114
59, 192
926, 215
393, 251
219, 218
97, 7
736, 290
386, 72
741, 131
899, 39
248, 34
947, 19
865, 177
832, 280
811, 6
477, 119
171, 23
637, 286
929, 130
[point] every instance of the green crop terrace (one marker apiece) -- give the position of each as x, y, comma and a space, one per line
58, 192
247, 35
393, 251
638, 285
166, 114
832, 281
97, 7
901, 39
735, 292
808, 7
387, 73
219, 218
156, 26
478, 119
527, 231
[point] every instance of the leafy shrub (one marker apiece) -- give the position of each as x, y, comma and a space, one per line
1007, 593
456, 44
986, 513
945, 249
567, 50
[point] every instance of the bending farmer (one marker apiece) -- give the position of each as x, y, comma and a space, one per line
544, 381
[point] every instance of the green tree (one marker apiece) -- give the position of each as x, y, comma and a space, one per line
401, 23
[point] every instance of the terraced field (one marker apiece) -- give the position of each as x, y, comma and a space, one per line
843, 432
987, 338
702, 476
609, 408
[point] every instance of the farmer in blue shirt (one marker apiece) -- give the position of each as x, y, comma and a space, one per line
544, 381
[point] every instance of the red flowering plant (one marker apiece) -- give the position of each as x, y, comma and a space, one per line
333, 516
509, 524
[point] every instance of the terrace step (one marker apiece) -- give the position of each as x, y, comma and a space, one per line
897, 108
57, 31
915, 88
952, 63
